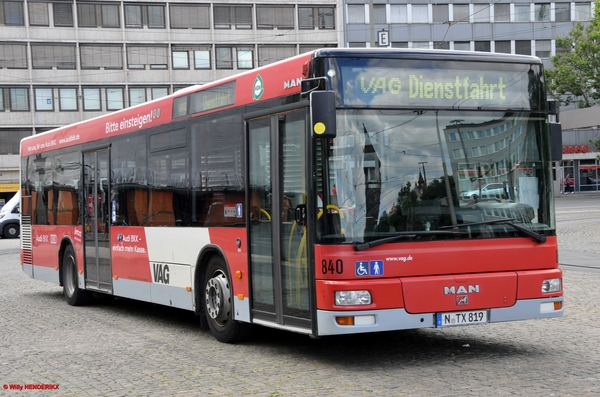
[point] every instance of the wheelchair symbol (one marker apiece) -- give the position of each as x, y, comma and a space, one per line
362, 269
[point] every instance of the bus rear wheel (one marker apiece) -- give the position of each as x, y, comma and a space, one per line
73, 295
218, 304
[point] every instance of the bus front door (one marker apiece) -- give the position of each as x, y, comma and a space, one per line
277, 186
96, 220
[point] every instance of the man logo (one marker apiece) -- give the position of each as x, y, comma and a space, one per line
462, 300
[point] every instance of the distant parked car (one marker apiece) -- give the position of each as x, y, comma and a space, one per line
489, 191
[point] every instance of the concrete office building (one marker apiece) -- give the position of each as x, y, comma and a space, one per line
506, 26
66, 61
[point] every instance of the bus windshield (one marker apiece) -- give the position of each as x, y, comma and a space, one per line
435, 172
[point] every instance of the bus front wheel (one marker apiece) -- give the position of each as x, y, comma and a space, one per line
71, 291
218, 304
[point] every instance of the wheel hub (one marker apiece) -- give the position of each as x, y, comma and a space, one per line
218, 298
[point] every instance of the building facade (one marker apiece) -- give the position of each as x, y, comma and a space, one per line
66, 61
506, 26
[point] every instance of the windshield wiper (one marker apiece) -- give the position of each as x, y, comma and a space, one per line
397, 237
539, 238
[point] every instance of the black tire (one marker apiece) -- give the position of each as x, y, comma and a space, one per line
71, 291
218, 304
11, 230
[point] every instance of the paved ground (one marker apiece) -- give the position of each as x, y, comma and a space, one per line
122, 348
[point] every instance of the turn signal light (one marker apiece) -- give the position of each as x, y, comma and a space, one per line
349, 320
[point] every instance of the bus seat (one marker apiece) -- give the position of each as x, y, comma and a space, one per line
51, 218
160, 209
137, 206
67, 210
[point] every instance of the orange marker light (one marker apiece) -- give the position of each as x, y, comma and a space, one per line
349, 320
188, 288
238, 274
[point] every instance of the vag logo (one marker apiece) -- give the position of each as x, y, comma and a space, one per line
461, 289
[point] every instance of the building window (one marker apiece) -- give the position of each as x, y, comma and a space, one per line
38, 14
522, 13
270, 54
562, 12
460, 13
202, 59
502, 46
400, 44
379, 14
245, 58
543, 48
63, 14
523, 47
419, 13
67, 99
501, 12
10, 140
481, 13
114, 98
137, 95
101, 56
354, 44
13, 56
542, 12
462, 45
420, 44
13, 13
483, 46
43, 99
138, 16
98, 15
224, 57
91, 99
311, 17
440, 13
441, 45
159, 92
190, 16
18, 99
398, 13
226, 16
582, 12
180, 59
356, 13
143, 57
275, 17
53, 56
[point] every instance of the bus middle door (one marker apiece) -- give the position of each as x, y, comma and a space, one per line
277, 177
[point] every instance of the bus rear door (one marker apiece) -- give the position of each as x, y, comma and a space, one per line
98, 273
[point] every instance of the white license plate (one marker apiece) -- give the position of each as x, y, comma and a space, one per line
462, 318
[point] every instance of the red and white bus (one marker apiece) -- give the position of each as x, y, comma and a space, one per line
323, 194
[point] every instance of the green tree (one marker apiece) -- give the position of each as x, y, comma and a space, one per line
576, 73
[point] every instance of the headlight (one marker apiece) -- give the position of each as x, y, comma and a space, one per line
551, 285
2, 215
352, 298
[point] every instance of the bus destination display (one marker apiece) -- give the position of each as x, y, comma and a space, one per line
447, 88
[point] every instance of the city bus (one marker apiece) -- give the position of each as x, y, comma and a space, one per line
323, 194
